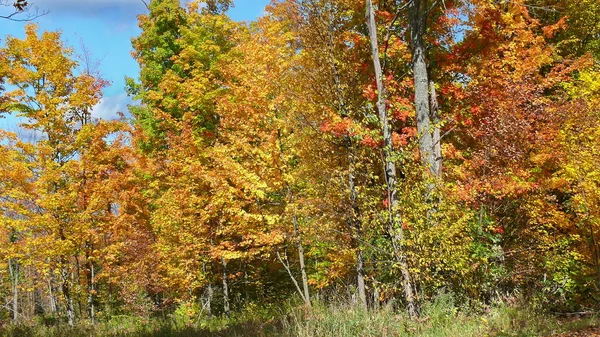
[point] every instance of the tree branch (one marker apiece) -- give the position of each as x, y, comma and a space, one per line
21, 7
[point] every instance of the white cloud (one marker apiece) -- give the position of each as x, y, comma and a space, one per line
109, 107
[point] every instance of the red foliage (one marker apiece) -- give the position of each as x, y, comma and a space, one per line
370, 142
338, 129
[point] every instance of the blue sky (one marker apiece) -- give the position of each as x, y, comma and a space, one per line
105, 27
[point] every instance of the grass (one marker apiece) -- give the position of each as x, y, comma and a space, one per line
438, 318
133, 327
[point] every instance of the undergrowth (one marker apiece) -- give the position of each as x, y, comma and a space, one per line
441, 317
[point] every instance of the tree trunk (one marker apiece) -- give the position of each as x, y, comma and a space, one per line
286, 265
208, 294
91, 292
246, 290
305, 291
38, 294
76, 279
209, 298
14, 273
360, 279
302, 264
354, 219
395, 221
68, 298
226, 308
90, 276
69, 304
375, 298
52, 298
31, 297
417, 14
437, 138
356, 225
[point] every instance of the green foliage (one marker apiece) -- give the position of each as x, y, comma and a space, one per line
179, 52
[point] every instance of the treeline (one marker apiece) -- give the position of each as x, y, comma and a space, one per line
376, 151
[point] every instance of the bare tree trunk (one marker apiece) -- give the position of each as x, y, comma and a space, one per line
356, 225
360, 279
417, 13
437, 138
91, 292
69, 304
31, 312
375, 298
90, 275
66, 279
209, 297
286, 264
226, 308
76, 279
208, 294
305, 291
246, 291
301, 259
68, 298
395, 221
13, 267
51, 298
437, 151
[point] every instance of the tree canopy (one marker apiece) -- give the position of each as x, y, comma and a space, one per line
385, 149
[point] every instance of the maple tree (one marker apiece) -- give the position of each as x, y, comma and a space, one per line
302, 154
65, 206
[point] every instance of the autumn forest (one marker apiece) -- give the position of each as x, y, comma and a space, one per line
386, 158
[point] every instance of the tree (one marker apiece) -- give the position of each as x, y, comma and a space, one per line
395, 220
18, 172
507, 122
166, 36
57, 102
